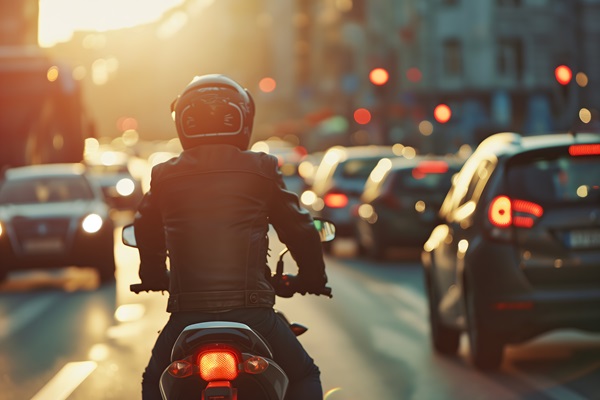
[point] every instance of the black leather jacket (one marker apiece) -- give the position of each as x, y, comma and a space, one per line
210, 208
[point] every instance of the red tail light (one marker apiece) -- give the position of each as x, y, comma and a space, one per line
584, 149
429, 167
505, 212
336, 200
218, 365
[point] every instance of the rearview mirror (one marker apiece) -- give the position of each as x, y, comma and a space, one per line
128, 236
326, 229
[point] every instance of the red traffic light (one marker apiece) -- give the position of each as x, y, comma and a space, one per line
563, 74
379, 76
442, 113
362, 116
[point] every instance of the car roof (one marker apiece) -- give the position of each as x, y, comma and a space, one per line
45, 170
511, 143
402, 162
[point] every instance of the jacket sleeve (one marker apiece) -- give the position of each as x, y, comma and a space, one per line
295, 228
150, 238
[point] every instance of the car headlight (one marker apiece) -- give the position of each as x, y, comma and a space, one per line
1, 229
92, 223
125, 187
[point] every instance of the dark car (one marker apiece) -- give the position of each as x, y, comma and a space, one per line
518, 251
52, 216
400, 202
339, 182
121, 189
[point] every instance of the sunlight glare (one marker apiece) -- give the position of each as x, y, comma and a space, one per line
60, 18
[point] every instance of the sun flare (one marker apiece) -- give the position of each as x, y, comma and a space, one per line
60, 18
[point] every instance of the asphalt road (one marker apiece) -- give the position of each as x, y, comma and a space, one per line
64, 337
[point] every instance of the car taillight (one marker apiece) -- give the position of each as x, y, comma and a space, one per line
429, 167
218, 365
584, 149
505, 212
336, 200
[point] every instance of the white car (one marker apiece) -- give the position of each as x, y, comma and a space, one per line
53, 215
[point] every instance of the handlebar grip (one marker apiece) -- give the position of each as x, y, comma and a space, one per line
325, 291
140, 287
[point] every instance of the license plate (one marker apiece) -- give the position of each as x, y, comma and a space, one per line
584, 239
45, 245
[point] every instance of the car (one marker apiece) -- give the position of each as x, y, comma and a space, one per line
400, 202
517, 252
289, 157
121, 189
339, 182
52, 216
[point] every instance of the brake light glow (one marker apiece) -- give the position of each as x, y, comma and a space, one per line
218, 365
513, 305
499, 213
584, 149
505, 212
429, 167
336, 200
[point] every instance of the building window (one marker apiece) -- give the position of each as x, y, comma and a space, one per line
453, 64
510, 58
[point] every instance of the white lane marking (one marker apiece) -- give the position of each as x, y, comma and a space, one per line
25, 314
413, 320
66, 381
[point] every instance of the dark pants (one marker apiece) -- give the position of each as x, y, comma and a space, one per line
288, 353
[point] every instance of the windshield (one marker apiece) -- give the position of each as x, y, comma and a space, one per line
45, 190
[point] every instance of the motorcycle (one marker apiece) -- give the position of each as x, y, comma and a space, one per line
221, 360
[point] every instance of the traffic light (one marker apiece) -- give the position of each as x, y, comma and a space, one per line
563, 74
362, 116
442, 113
379, 76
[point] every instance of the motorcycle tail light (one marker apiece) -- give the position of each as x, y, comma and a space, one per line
255, 365
218, 365
180, 369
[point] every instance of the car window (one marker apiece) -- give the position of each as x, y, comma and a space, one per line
409, 180
45, 190
358, 168
559, 179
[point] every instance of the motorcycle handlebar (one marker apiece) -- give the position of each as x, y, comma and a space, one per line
140, 287
284, 291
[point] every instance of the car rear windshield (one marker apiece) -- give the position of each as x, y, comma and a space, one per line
45, 190
556, 178
357, 168
412, 180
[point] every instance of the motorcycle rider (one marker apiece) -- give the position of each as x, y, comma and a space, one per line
210, 210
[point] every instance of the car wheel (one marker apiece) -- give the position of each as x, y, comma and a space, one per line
486, 350
445, 340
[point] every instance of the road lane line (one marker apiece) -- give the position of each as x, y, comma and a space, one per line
25, 314
66, 381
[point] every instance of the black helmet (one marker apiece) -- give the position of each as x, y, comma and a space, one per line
213, 109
